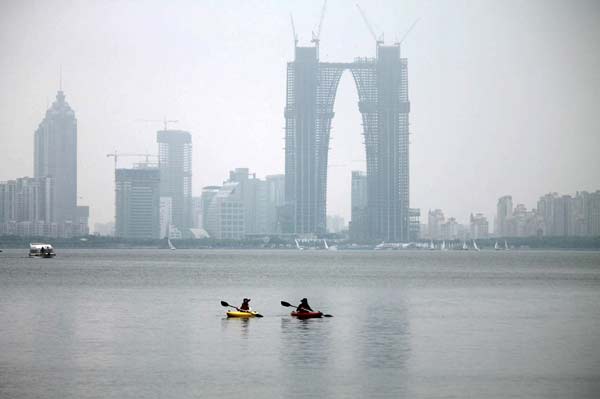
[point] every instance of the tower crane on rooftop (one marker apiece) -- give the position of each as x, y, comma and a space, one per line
294, 31
117, 155
165, 121
378, 40
316, 36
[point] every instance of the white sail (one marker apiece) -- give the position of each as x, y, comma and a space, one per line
465, 247
496, 246
171, 246
443, 248
475, 246
325, 243
505, 245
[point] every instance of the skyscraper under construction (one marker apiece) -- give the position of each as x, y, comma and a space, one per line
382, 85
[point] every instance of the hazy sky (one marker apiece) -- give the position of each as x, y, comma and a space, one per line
504, 95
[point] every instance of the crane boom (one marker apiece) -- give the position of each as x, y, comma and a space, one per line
116, 156
165, 121
364, 17
317, 36
294, 30
408, 31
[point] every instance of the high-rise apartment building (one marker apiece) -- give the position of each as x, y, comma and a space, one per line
137, 193
382, 85
175, 164
56, 156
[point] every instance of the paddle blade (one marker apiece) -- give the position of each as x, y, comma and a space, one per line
286, 304
327, 315
223, 303
258, 315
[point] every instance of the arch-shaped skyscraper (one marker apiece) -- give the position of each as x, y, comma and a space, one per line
382, 85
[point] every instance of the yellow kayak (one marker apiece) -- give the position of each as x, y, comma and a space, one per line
235, 313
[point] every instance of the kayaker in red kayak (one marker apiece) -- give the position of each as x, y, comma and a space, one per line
304, 306
245, 307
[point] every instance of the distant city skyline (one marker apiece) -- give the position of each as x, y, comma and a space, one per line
503, 95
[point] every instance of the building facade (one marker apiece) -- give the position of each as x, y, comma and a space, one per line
382, 85
137, 201
55, 155
175, 164
359, 227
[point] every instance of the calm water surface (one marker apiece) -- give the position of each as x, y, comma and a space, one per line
408, 324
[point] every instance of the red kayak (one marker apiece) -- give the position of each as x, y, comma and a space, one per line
307, 315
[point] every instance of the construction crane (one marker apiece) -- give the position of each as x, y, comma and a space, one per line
316, 37
116, 156
294, 31
378, 40
399, 42
165, 121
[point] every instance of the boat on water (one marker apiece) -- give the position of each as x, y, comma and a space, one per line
171, 246
240, 314
475, 247
307, 315
41, 250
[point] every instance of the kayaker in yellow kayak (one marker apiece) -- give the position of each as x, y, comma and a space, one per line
304, 306
245, 307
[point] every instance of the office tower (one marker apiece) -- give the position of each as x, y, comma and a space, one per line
56, 156
137, 203
175, 163
358, 205
504, 212
382, 85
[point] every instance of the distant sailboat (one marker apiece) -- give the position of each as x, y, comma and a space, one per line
329, 248
171, 246
464, 246
505, 246
475, 246
298, 247
431, 245
443, 247
496, 246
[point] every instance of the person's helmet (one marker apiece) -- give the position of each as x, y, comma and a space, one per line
246, 299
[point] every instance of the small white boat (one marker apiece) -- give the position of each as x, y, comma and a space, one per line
496, 246
505, 246
41, 250
464, 246
475, 246
171, 246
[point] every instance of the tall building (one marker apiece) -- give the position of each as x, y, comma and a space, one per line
359, 228
225, 215
56, 156
479, 226
435, 220
504, 212
275, 202
208, 193
137, 193
26, 206
175, 163
382, 85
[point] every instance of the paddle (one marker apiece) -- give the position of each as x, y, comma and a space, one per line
223, 303
289, 305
